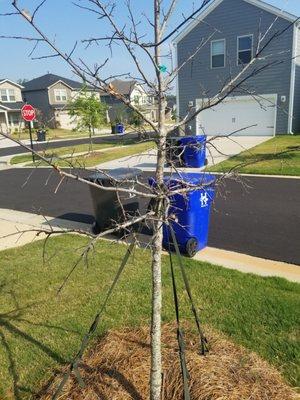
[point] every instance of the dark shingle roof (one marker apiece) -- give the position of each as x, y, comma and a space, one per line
123, 87
43, 82
13, 106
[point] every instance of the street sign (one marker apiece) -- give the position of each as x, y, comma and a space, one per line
28, 113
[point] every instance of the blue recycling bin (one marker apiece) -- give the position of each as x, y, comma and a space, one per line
194, 151
120, 129
189, 213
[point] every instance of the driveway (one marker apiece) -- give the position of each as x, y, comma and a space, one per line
259, 216
218, 149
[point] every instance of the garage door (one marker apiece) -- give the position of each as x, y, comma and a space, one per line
65, 121
244, 115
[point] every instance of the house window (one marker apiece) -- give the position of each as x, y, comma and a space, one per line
244, 49
7, 95
218, 53
60, 95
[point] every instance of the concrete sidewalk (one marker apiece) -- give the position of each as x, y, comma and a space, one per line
13, 223
16, 227
218, 150
249, 264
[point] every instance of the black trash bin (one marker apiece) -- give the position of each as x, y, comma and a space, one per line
113, 129
107, 208
41, 135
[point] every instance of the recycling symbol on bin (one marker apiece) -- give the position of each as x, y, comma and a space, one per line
203, 199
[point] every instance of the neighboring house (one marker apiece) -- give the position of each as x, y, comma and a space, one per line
10, 106
229, 31
136, 93
50, 94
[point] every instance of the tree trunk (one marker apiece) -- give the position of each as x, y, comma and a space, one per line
91, 141
156, 362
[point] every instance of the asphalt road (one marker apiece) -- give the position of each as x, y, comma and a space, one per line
8, 151
260, 217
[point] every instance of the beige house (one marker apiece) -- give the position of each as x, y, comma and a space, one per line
136, 93
10, 106
51, 94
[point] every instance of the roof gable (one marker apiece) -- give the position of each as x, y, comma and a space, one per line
211, 5
11, 82
45, 81
60, 81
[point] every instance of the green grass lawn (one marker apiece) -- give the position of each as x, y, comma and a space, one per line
90, 160
56, 134
53, 134
40, 331
126, 147
277, 156
94, 158
59, 152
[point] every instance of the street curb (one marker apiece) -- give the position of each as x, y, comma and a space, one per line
260, 175
224, 258
249, 264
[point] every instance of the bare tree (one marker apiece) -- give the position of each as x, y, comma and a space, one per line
160, 84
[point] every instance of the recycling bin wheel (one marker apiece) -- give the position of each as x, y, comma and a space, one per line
206, 162
191, 247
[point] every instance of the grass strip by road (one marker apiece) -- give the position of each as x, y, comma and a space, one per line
63, 151
40, 330
95, 158
277, 156
59, 133
98, 157
53, 134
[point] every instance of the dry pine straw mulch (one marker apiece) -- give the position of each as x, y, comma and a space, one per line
117, 368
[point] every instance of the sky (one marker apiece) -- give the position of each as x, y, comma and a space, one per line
64, 23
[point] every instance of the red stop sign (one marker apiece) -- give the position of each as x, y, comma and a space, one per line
28, 112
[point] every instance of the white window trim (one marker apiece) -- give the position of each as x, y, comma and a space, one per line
211, 55
59, 95
8, 96
237, 48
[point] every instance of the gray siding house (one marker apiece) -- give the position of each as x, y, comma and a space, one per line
220, 44
51, 94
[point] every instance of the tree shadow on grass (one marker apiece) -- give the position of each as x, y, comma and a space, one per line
8, 328
247, 158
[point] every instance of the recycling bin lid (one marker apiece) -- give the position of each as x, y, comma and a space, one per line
192, 139
193, 178
118, 174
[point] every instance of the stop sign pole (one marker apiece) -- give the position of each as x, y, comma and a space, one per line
28, 114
